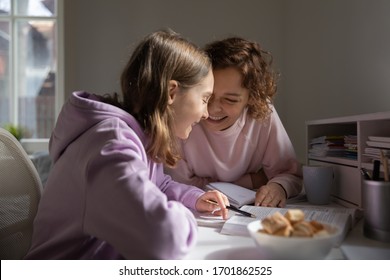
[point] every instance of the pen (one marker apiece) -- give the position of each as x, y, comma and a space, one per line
385, 166
365, 174
235, 209
376, 169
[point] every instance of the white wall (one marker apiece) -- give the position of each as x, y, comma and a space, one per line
333, 54
337, 61
99, 34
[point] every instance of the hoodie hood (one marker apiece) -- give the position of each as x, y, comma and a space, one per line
82, 111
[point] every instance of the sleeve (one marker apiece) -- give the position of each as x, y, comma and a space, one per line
129, 211
280, 163
184, 193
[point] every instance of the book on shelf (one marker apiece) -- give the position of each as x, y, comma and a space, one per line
375, 153
237, 195
379, 138
327, 139
343, 217
344, 146
350, 144
378, 144
323, 150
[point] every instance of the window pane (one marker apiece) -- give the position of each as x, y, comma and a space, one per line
5, 7
35, 7
35, 87
4, 73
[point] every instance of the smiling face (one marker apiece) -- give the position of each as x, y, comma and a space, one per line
228, 101
190, 105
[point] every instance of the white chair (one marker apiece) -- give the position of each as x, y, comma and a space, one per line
20, 192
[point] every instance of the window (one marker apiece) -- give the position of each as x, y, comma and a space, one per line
30, 52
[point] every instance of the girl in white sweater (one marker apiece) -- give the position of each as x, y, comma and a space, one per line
243, 141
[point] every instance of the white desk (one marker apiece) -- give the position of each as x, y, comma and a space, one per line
215, 246
358, 247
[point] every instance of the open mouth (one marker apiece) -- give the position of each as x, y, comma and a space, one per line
216, 119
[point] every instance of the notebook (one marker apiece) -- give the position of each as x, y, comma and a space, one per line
237, 195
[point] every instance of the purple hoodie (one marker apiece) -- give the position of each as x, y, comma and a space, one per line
105, 198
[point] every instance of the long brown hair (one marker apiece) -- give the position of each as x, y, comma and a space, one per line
254, 64
162, 56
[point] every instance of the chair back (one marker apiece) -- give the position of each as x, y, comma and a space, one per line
20, 192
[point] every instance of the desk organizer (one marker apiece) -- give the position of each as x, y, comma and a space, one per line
376, 205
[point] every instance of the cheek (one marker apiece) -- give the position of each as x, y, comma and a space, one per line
186, 116
196, 108
237, 111
231, 110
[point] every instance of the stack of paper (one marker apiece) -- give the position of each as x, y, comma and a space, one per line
327, 146
350, 144
374, 145
379, 142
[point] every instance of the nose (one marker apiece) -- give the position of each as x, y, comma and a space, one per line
205, 114
214, 106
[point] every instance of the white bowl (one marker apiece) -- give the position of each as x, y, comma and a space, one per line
280, 247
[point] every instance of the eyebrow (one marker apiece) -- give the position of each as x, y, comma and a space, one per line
233, 94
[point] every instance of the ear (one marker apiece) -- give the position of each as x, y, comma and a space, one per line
173, 88
250, 101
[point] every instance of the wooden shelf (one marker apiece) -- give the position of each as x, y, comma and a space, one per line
338, 160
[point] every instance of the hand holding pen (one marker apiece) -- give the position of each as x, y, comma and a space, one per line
218, 208
235, 209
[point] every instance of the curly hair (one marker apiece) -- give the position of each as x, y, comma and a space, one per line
254, 64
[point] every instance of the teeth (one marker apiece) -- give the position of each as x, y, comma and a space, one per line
215, 118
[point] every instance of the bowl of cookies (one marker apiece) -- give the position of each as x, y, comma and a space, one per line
290, 236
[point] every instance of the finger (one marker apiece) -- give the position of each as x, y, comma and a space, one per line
281, 204
221, 200
268, 201
279, 198
209, 207
218, 197
260, 196
274, 203
221, 212
276, 199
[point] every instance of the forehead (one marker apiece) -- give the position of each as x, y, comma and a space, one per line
206, 84
227, 79
203, 88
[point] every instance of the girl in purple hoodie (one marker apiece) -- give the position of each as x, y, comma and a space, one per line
107, 196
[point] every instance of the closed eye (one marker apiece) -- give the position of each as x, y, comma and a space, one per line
232, 100
207, 99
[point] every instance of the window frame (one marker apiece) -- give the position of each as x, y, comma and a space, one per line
32, 145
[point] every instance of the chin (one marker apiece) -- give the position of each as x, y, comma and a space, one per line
214, 126
185, 134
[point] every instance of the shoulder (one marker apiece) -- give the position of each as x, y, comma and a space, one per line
272, 118
198, 134
123, 130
